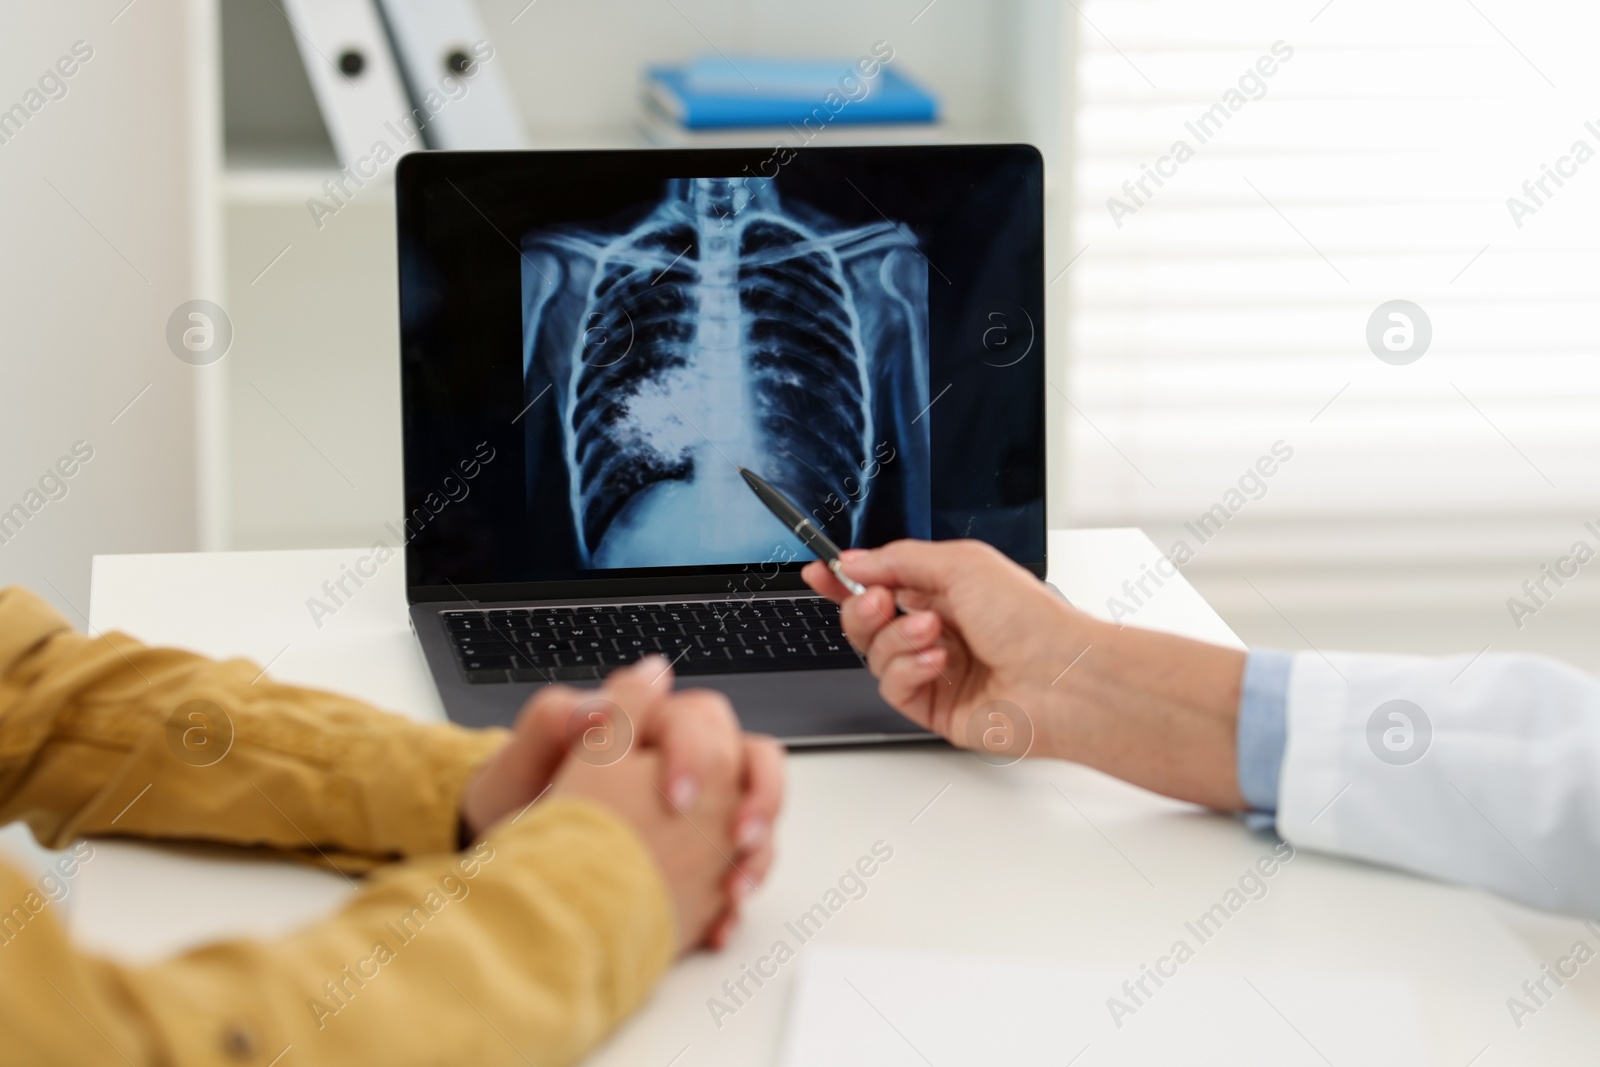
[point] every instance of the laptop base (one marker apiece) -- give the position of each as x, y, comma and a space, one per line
801, 708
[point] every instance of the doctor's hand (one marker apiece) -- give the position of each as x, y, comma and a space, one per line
984, 643
980, 633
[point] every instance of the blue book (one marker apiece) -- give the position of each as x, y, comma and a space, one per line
721, 94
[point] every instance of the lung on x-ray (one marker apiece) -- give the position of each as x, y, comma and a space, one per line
725, 326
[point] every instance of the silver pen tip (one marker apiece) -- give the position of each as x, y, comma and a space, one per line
844, 579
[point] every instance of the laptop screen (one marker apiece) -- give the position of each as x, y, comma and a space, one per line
593, 344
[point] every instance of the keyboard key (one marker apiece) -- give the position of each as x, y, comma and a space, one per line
487, 648
475, 662
574, 674
801, 663
759, 661
466, 623
532, 674
705, 661
473, 638
485, 677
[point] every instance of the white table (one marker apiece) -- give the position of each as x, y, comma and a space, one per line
1041, 861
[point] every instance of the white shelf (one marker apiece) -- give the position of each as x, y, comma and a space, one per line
284, 185
257, 179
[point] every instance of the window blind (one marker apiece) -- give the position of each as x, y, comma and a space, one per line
1254, 186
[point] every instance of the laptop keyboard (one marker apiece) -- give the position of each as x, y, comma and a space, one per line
585, 643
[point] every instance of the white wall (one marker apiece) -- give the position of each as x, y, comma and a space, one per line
314, 377
102, 234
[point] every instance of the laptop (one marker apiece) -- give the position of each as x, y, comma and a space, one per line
592, 344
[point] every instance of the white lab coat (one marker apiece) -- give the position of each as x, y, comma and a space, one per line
1506, 794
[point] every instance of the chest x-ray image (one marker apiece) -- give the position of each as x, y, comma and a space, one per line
726, 325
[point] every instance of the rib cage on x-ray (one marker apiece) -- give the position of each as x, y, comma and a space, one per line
721, 330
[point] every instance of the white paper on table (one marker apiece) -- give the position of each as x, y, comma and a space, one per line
867, 1007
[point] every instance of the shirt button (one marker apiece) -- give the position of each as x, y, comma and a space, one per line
238, 1044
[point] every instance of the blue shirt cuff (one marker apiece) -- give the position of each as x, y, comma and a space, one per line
1263, 717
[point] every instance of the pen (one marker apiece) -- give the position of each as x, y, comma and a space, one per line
802, 526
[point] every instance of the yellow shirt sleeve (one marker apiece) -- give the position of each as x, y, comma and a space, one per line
530, 946
527, 948
105, 736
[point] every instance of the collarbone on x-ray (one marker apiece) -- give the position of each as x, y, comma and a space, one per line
722, 328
